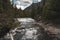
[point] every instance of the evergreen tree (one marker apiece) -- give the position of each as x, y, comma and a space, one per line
6, 24
51, 10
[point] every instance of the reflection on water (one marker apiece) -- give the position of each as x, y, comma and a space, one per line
26, 30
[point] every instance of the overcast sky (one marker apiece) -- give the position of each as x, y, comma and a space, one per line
23, 4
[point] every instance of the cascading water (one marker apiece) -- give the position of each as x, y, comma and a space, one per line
27, 30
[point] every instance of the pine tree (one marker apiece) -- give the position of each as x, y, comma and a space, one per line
51, 10
6, 24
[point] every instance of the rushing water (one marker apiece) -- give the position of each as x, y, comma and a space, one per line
27, 30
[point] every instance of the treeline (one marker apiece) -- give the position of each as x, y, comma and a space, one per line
7, 10
47, 9
51, 11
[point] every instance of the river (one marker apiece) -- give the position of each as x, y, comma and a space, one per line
27, 30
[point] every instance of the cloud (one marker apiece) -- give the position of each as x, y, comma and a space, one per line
36, 1
23, 4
